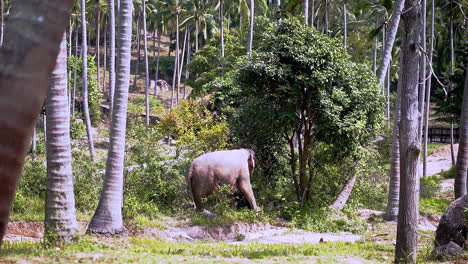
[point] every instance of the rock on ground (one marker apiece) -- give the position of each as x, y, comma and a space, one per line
453, 226
448, 251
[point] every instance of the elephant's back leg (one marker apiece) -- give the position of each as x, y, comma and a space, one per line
201, 187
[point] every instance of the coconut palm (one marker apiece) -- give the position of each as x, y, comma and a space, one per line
84, 52
108, 216
462, 158
23, 85
111, 54
60, 215
145, 48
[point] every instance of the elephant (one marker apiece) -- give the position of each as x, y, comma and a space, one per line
231, 167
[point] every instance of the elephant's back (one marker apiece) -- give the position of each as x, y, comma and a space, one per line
223, 157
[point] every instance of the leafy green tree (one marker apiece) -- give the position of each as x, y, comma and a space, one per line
301, 89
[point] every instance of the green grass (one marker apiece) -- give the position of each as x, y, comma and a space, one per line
433, 206
448, 174
139, 250
433, 146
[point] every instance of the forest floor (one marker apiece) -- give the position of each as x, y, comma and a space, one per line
177, 239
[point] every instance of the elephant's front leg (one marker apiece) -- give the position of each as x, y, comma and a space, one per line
245, 187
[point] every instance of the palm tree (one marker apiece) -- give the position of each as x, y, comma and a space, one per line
389, 40
428, 92
1, 22
145, 48
84, 52
23, 85
252, 9
221, 30
108, 216
60, 215
462, 158
305, 10
410, 139
111, 54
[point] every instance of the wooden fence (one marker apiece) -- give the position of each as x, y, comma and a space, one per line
442, 135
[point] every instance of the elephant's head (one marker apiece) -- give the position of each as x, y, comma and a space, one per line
251, 161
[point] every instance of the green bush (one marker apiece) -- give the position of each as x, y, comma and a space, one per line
77, 128
137, 105
166, 68
430, 187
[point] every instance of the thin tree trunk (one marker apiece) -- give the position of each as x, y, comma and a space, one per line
105, 62
60, 214
181, 64
25, 67
312, 13
462, 158
196, 34
111, 54
251, 27
74, 74
278, 9
154, 45
157, 65
326, 18
108, 216
452, 69
410, 139
69, 54
147, 106
422, 68
34, 143
98, 54
374, 64
187, 74
84, 50
390, 39
221, 28
305, 11
176, 61
2, 22
387, 94
137, 35
428, 92
391, 212
345, 32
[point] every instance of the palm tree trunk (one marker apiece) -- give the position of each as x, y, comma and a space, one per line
98, 54
69, 54
176, 61
221, 28
105, 61
252, 16
345, 33
410, 139
387, 94
34, 143
145, 44
187, 74
181, 64
391, 212
137, 36
60, 214
462, 158
452, 69
84, 51
111, 54
428, 93
73, 94
108, 216
305, 10
390, 39
157, 64
422, 68
196, 34
2, 22
312, 13
326, 18
23, 84
344, 194
374, 64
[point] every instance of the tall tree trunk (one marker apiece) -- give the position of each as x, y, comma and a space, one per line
84, 51
176, 61
251, 27
312, 13
390, 39
157, 64
452, 69
34, 143
108, 216
345, 32
26, 64
111, 54
391, 212
196, 33
2, 21
278, 7
98, 54
221, 28
137, 36
187, 74
181, 64
305, 11
410, 139
428, 92
145, 44
60, 214
74, 74
422, 68
462, 158
374, 61
326, 18
387, 94
69, 54
105, 62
